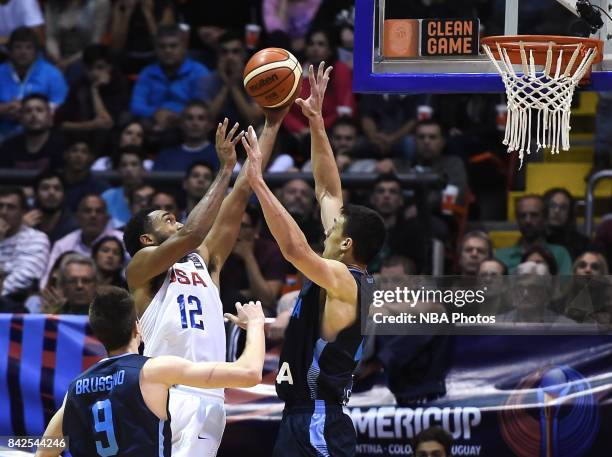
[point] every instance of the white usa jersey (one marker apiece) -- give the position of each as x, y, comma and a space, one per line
185, 318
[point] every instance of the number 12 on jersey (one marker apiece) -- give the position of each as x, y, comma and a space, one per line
193, 307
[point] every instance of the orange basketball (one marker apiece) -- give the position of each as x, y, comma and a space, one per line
273, 77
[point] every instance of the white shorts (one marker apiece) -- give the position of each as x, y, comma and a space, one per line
197, 423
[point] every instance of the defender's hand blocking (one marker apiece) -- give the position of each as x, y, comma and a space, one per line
249, 313
225, 144
253, 165
313, 105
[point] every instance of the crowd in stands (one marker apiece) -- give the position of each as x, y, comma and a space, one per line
138, 87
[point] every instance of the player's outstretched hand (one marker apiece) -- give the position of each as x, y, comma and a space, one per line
313, 105
225, 143
253, 165
249, 313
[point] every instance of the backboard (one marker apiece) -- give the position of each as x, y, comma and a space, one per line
433, 46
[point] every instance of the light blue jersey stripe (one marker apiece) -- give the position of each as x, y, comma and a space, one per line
317, 429
161, 438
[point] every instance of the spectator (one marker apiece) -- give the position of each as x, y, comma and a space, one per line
78, 283
561, 222
339, 99
590, 263
389, 122
98, 99
133, 28
255, 270
23, 250
78, 158
167, 202
531, 223
49, 299
297, 197
405, 236
131, 134
26, 73
490, 279
93, 224
108, 254
198, 178
343, 140
164, 88
20, 13
433, 442
430, 144
588, 297
223, 90
475, 249
532, 292
39, 146
72, 25
141, 198
195, 126
8, 305
397, 265
290, 17
131, 173
539, 254
50, 215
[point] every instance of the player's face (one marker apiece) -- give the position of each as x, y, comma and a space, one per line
164, 226
334, 238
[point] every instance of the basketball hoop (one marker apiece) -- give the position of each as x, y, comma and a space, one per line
564, 62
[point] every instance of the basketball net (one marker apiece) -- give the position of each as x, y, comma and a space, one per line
540, 96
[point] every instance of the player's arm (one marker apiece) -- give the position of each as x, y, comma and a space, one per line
244, 372
53, 431
223, 234
327, 179
331, 275
154, 260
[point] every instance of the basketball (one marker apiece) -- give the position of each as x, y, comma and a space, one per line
273, 77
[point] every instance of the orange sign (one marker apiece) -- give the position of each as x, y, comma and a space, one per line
401, 38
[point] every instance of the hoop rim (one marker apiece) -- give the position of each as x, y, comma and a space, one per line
540, 44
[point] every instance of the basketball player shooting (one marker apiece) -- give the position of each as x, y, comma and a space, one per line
174, 277
323, 339
119, 406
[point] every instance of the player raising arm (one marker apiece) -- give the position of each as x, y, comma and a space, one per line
119, 406
323, 339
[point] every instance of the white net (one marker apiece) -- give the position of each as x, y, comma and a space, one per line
540, 96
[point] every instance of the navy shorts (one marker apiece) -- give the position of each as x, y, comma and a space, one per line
317, 430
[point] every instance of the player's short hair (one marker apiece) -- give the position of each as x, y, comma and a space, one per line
139, 224
367, 230
437, 434
112, 316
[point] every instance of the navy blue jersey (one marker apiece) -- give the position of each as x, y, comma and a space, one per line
105, 413
311, 368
